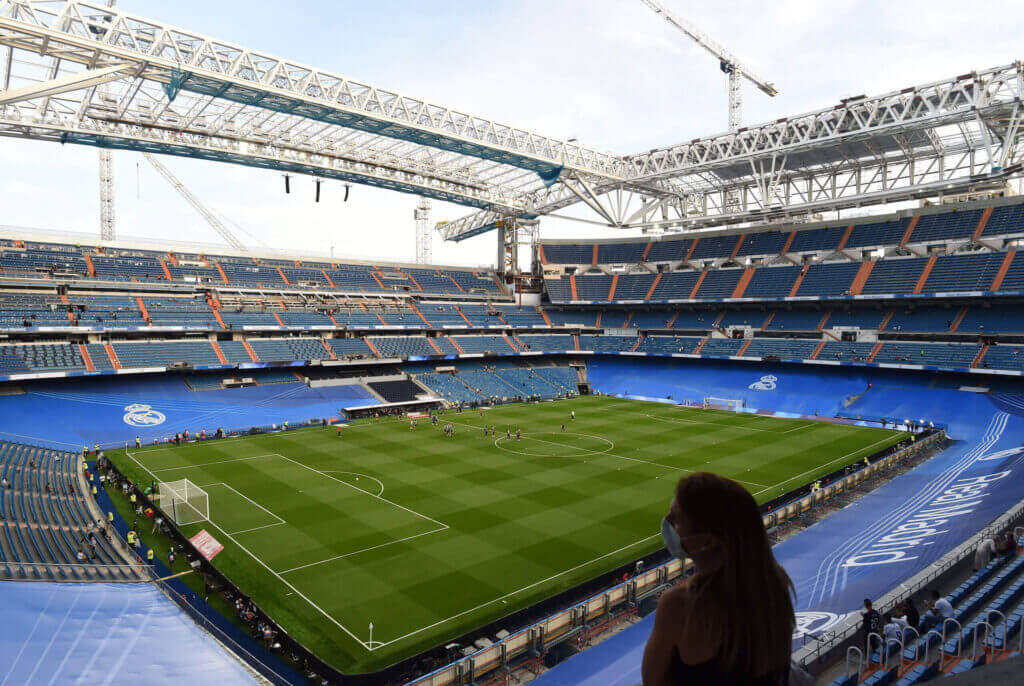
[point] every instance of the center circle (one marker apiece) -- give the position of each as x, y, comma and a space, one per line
554, 444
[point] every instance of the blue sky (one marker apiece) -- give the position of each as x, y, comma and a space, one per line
607, 71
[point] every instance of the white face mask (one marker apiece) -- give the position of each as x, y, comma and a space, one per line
670, 537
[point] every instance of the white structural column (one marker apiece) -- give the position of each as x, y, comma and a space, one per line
424, 232
108, 227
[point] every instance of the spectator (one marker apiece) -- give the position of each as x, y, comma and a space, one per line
941, 607
1005, 544
985, 552
910, 613
733, 621
872, 621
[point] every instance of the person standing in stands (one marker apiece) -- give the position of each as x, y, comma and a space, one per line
732, 622
872, 621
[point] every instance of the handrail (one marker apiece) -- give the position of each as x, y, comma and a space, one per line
988, 615
974, 646
904, 663
881, 648
860, 661
959, 641
928, 646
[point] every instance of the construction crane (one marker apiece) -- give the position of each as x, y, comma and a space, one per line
219, 227
108, 226
726, 61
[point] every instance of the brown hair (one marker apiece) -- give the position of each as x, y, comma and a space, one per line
749, 597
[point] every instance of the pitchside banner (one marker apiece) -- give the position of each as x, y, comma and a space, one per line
207, 545
899, 529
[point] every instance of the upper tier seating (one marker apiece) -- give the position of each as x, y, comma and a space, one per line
772, 282
944, 354
1005, 220
833, 279
817, 239
923, 319
845, 351
568, 253
764, 243
796, 320
675, 285
993, 320
722, 346
402, 346
163, 353
608, 343
180, 311
719, 283
483, 344
548, 342
877, 233
946, 225
1007, 356
669, 250
787, 349
973, 272
46, 521
895, 276
616, 253
18, 310
40, 357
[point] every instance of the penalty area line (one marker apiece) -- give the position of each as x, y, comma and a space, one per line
263, 564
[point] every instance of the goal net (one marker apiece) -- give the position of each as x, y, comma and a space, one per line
184, 502
710, 402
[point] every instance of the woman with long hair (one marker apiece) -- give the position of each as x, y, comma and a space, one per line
731, 623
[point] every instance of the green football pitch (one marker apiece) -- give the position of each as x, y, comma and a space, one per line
428, 536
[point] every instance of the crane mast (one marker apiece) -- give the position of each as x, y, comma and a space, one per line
219, 227
731, 66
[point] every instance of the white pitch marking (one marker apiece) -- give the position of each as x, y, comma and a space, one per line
520, 590
363, 550
358, 474
809, 471
207, 464
345, 483
267, 567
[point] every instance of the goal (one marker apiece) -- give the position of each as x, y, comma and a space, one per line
710, 402
184, 502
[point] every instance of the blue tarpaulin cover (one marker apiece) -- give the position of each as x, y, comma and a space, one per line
106, 634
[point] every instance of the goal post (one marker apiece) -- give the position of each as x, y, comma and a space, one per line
711, 402
184, 502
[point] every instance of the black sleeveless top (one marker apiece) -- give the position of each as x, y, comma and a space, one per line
709, 673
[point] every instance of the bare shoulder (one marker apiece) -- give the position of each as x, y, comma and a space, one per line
674, 601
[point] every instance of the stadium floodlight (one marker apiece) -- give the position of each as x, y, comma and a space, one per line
184, 502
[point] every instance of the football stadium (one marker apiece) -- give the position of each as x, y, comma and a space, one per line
245, 462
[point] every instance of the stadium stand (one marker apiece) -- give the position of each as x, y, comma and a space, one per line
49, 533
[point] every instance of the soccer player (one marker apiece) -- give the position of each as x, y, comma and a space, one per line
508, 433
563, 427
572, 415
519, 434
